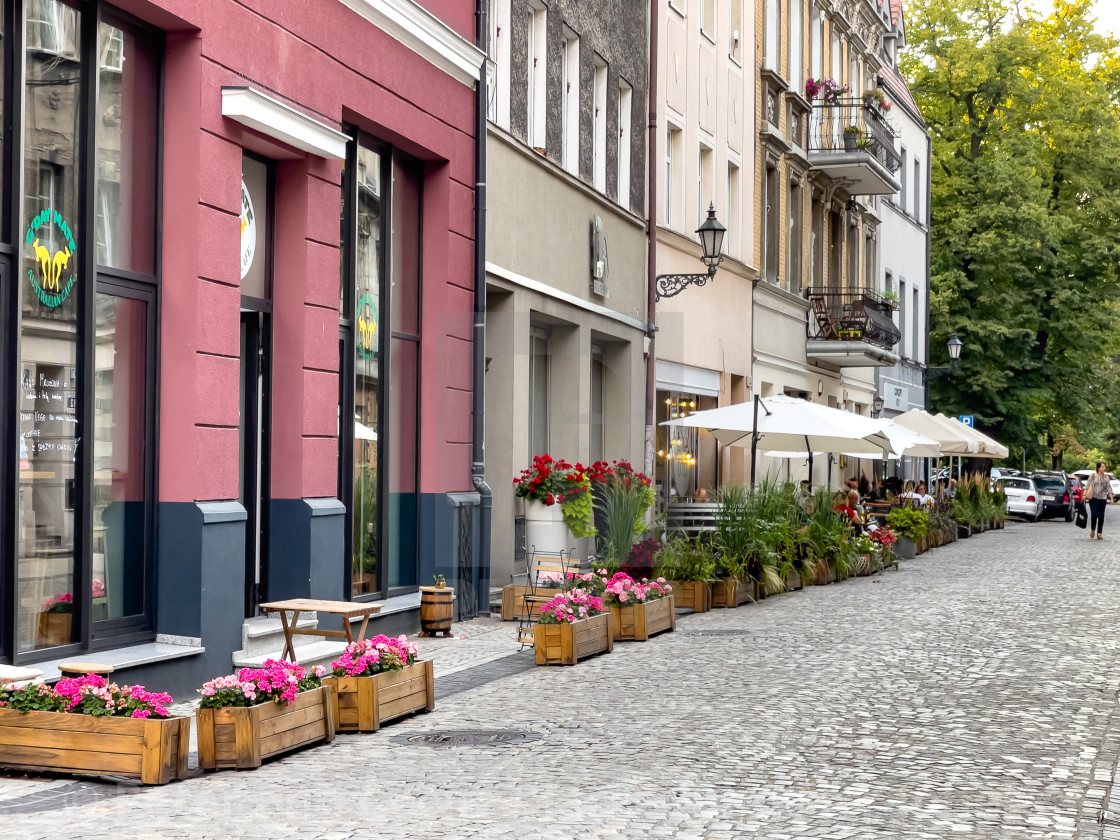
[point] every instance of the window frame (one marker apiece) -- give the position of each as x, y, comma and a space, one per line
386, 431
90, 636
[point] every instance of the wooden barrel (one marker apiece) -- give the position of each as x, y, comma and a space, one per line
435, 609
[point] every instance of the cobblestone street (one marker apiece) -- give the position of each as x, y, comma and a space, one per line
972, 694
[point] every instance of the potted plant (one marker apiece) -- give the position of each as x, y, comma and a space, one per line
884, 541
89, 726
829, 90
378, 680
259, 713
910, 525
876, 98
863, 143
572, 626
639, 609
558, 506
622, 496
852, 135
689, 566
56, 614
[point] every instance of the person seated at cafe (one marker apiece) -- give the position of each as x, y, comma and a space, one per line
917, 494
844, 504
701, 495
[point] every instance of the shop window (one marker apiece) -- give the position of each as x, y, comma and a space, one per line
734, 204
379, 338
771, 221
84, 513
539, 387
598, 422
704, 184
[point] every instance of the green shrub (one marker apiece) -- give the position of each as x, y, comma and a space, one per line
909, 523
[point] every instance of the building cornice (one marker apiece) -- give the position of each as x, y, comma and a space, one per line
425, 34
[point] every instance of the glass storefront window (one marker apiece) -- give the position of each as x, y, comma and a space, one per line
127, 100
49, 424
82, 506
120, 513
367, 366
381, 233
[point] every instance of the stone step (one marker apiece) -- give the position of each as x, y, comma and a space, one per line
265, 634
315, 653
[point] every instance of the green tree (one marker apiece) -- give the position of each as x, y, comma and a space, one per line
1023, 111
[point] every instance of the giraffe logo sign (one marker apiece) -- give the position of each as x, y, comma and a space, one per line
248, 231
54, 282
367, 327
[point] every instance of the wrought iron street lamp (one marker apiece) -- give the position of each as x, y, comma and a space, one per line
954, 345
877, 405
711, 235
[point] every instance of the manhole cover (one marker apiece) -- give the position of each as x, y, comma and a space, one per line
469, 738
714, 633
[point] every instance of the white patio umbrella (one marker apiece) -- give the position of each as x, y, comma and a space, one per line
988, 447
952, 441
788, 424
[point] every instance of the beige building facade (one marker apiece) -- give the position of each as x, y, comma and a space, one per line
566, 319
705, 150
826, 158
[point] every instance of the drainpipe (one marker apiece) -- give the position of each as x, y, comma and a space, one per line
478, 398
651, 255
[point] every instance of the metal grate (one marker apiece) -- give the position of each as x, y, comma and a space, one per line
713, 632
469, 738
467, 601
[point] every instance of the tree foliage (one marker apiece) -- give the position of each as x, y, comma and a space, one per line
1024, 112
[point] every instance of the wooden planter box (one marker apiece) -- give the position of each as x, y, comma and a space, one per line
566, 644
732, 593
692, 595
244, 736
793, 581
363, 704
637, 622
153, 750
513, 601
824, 574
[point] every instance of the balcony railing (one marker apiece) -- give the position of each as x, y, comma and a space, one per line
852, 315
875, 134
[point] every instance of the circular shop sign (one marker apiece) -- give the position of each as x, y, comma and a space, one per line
54, 282
248, 231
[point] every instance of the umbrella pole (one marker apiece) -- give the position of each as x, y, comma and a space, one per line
754, 441
809, 449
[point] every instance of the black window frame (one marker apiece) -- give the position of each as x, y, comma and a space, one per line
103, 634
347, 371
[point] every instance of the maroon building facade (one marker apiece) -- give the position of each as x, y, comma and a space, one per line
237, 265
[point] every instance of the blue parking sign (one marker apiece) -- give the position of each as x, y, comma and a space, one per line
969, 420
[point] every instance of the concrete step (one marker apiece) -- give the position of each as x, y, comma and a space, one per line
315, 653
265, 634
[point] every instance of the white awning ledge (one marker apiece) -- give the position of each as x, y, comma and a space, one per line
274, 119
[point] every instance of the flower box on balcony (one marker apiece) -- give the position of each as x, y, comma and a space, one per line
692, 594
363, 704
242, 737
566, 644
637, 622
153, 750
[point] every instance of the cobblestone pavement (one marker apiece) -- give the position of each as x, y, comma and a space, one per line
972, 694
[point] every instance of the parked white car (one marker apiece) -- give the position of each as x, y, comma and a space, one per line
1112, 480
1023, 498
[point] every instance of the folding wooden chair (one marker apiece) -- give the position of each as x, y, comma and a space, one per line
541, 566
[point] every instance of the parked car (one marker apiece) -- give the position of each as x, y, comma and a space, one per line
1076, 488
1023, 498
1112, 480
1057, 499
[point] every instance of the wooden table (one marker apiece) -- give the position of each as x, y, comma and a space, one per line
346, 609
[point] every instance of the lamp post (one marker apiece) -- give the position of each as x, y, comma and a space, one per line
954, 345
877, 405
711, 235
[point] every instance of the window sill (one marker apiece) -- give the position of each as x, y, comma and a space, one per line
126, 657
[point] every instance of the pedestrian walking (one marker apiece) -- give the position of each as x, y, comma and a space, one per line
1098, 490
